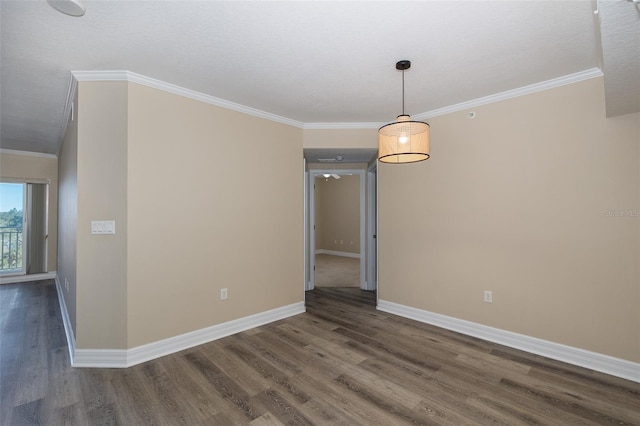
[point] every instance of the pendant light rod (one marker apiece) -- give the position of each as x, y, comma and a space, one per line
402, 92
403, 66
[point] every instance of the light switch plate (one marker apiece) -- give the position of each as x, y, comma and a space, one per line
103, 227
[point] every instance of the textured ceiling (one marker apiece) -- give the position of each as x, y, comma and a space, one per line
620, 25
312, 62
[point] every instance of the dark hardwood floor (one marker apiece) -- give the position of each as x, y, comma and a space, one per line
342, 362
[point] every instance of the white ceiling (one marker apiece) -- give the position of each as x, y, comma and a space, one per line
620, 27
312, 62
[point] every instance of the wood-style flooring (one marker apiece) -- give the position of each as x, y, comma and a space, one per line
342, 363
337, 271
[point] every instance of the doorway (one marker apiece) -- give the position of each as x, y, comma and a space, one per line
328, 242
337, 230
13, 228
23, 228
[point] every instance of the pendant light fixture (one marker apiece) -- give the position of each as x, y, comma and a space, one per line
403, 141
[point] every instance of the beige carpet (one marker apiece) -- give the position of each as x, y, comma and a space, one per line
337, 271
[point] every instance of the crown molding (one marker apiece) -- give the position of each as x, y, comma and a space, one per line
474, 103
343, 126
66, 112
119, 75
509, 94
27, 153
110, 75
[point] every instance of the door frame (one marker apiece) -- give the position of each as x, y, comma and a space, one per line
372, 227
21, 276
25, 229
311, 247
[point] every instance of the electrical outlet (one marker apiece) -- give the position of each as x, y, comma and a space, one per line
223, 294
488, 296
66, 284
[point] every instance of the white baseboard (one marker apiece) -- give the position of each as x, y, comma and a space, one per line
122, 358
68, 330
595, 361
100, 358
338, 253
28, 277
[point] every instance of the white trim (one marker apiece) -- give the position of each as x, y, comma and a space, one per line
372, 227
474, 103
181, 91
26, 229
100, 358
311, 247
66, 112
595, 361
363, 228
305, 282
68, 330
26, 278
27, 153
122, 358
123, 75
338, 253
509, 94
108, 75
344, 126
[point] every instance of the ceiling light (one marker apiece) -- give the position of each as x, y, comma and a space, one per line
403, 141
68, 7
328, 175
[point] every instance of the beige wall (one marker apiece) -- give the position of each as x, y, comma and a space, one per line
516, 201
68, 216
345, 138
102, 195
198, 207
215, 201
92, 169
338, 214
30, 168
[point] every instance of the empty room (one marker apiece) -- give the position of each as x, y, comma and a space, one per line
320, 212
